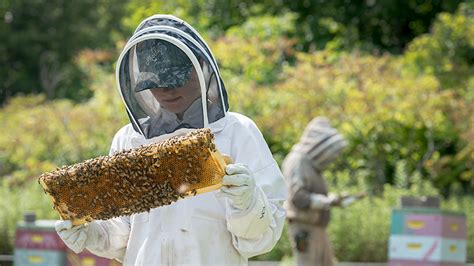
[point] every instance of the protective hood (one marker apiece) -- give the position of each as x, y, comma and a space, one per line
169, 79
321, 143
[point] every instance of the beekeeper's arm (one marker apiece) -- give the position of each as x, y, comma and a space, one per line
103, 238
298, 170
255, 191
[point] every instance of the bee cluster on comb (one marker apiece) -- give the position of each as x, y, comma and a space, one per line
136, 180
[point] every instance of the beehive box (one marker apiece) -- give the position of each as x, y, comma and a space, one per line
38, 257
420, 263
38, 235
86, 258
427, 236
37, 243
428, 222
427, 249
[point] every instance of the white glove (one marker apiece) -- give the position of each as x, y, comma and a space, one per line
320, 201
238, 186
346, 202
76, 237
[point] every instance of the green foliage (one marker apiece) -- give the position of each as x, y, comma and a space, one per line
41, 38
372, 25
139, 10
381, 25
360, 233
17, 201
43, 135
448, 50
211, 16
374, 105
408, 119
388, 113
255, 51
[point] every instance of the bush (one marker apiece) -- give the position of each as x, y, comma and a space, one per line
375, 106
27, 198
409, 129
448, 50
360, 233
43, 135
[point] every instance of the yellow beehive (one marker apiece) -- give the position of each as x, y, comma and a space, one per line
136, 180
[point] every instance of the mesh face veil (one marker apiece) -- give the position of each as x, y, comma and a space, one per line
169, 79
321, 143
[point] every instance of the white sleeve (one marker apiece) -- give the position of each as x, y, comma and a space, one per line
112, 237
320, 201
257, 230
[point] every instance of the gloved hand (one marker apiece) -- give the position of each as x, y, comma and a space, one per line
320, 201
336, 201
348, 200
76, 237
238, 186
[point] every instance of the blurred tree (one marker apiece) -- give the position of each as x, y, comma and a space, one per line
447, 52
55, 133
374, 25
208, 16
377, 107
257, 49
384, 25
41, 38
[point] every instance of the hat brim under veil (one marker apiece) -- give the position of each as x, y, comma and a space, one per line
148, 117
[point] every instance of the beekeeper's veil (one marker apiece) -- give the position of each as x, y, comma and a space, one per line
167, 53
320, 143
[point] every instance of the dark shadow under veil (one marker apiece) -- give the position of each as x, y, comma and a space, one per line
165, 122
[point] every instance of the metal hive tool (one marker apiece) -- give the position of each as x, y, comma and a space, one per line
136, 180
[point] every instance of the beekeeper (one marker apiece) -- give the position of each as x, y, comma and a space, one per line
308, 206
170, 82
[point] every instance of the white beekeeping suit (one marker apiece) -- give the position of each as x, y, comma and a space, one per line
164, 58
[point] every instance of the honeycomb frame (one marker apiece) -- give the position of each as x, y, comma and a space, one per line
136, 180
